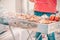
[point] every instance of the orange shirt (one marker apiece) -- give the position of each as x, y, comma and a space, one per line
45, 5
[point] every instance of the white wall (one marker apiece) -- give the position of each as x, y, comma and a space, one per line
18, 5
58, 5
24, 6
9, 5
27, 6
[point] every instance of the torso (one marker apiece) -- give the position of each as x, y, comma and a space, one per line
45, 5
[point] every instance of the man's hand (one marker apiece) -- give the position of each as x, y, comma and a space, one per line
32, 0
43, 35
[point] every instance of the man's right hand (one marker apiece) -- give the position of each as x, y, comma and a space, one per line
32, 0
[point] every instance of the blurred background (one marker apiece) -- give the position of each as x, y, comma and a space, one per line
17, 6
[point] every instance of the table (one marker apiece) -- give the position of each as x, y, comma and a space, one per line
24, 25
